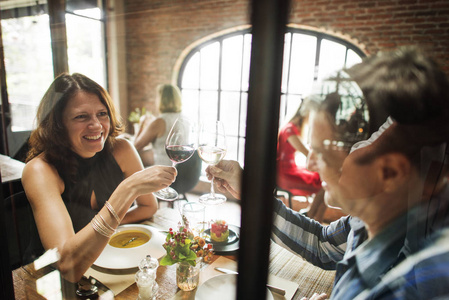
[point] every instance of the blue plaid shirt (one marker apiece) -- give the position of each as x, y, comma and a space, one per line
322, 246
407, 260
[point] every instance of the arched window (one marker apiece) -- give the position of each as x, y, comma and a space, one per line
214, 77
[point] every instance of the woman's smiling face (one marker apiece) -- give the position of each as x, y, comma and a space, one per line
87, 122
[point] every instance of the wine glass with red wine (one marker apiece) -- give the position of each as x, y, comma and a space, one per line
179, 146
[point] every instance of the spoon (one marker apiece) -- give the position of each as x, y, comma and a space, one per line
128, 242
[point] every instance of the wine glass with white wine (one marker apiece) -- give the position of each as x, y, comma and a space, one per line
212, 149
179, 146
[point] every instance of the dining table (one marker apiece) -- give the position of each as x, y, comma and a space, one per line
286, 270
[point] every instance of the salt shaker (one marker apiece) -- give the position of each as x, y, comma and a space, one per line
146, 278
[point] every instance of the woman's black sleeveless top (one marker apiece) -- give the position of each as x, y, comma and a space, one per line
100, 174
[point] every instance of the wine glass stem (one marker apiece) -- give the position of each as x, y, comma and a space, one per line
173, 164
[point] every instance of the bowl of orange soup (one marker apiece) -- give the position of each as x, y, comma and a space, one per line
129, 245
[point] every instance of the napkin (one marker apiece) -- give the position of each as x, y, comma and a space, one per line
223, 262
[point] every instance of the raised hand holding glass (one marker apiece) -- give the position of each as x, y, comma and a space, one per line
212, 149
179, 146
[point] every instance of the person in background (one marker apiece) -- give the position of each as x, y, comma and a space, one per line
146, 154
156, 132
81, 180
291, 176
395, 242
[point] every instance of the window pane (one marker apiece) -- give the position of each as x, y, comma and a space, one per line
332, 58
209, 66
229, 112
190, 104
243, 112
231, 153
241, 153
28, 73
286, 62
208, 106
293, 102
282, 110
352, 59
83, 8
246, 61
302, 64
289, 105
191, 75
85, 46
232, 63
200, 79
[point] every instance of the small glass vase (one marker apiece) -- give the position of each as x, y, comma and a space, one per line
188, 276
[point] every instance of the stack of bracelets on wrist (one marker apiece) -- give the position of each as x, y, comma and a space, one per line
100, 225
112, 211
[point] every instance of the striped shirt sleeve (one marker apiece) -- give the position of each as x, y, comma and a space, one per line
323, 246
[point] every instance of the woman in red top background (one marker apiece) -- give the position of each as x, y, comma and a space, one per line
297, 179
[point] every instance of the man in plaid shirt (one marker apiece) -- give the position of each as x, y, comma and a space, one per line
395, 242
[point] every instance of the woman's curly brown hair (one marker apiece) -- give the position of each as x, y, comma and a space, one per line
51, 137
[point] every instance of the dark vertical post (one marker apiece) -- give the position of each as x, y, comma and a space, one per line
56, 12
5, 111
269, 18
6, 282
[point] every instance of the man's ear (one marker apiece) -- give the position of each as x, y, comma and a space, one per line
394, 170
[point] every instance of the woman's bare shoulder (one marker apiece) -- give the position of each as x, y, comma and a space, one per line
39, 173
157, 124
38, 165
126, 155
121, 144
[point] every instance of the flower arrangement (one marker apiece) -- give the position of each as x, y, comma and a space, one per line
183, 246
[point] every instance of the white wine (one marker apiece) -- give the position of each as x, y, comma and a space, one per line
211, 155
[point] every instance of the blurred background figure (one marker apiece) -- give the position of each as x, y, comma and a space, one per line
291, 176
140, 118
153, 131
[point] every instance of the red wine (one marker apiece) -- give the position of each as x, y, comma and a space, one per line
179, 154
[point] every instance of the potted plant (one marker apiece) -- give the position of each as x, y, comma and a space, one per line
136, 117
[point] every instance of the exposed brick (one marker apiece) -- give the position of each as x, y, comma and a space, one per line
158, 31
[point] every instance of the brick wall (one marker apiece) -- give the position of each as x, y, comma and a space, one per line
157, 32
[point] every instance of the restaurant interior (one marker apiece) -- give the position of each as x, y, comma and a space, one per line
228, 58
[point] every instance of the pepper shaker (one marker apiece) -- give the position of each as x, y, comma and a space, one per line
146, 278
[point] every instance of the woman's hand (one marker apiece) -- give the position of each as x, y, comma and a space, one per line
227, 176
153, 179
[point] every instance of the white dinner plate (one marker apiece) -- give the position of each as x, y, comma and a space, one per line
126, 258
221, 287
